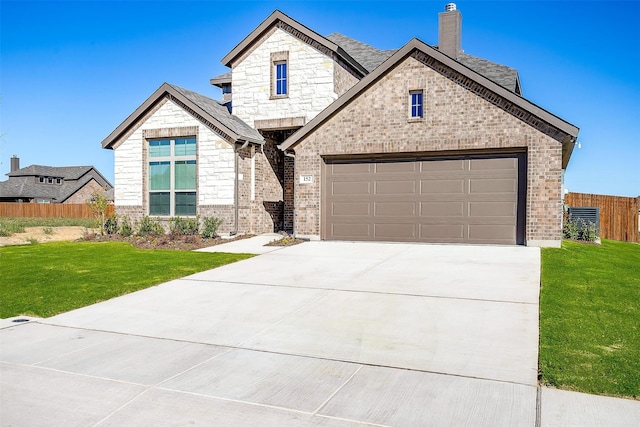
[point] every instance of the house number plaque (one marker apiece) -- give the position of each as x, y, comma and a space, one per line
306, 179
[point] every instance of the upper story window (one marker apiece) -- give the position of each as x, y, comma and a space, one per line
172, 176
416, 105
281, 78
279, 74
49, 180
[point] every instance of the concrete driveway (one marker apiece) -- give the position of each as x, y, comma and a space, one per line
322, 334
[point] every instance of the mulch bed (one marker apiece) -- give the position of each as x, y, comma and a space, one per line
181, 243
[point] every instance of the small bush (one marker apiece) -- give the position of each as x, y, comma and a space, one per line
111, 224
589, 231
210, 227
126, 229
150, 227
48, 231
570, 229
184, 226
579, 229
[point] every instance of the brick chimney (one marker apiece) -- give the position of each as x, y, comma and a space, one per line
15, 163
450, 31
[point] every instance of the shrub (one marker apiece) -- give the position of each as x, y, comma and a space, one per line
210, 227
570, 229
579, 229
589, 231
126, 229
47, 230
150, 227
111, 224
184, 226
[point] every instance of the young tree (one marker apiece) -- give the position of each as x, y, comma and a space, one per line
98, 204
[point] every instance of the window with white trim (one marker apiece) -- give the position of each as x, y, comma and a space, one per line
416, 104
172, 176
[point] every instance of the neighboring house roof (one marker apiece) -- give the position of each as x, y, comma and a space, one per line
368, 56
22, 182
213, 114
525, 110
304, 33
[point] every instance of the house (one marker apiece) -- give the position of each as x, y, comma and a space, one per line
330, 138
49, 184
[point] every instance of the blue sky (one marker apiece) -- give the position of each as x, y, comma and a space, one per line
71, 72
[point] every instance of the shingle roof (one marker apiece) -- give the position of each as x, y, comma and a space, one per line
209, 111
219, 110
368, 56
68, 172
222, 78
506, 77
22, 183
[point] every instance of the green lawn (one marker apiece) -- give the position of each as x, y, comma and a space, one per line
46, 279
590, 318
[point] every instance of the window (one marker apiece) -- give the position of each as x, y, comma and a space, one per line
416, 104
279, 74
172, 176
281, 78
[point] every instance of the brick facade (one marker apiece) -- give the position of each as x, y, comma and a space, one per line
84, 194
455, 121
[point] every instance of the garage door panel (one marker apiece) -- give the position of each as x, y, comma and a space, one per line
351, 209
351, 231
395, 231
351, 188
463, 200
443, 165
395, 187
493, 165
484, 186
492, 209
435, 186
394, 167
439, 233
395, 209
351, 168
442, 209
488, 232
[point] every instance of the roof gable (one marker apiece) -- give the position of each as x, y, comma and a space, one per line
211, 113
491, 91
279, 20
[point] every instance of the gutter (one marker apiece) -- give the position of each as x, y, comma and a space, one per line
235, 184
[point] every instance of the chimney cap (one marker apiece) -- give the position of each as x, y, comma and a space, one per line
449, 7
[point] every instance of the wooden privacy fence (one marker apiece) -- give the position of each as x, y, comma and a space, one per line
618, 215
53, 210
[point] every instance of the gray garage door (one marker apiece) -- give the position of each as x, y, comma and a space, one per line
453, 200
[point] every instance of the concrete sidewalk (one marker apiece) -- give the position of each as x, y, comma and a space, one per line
321, 333
252, 245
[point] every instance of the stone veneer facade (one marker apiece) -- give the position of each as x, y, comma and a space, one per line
215, 171
310, 74
455, 121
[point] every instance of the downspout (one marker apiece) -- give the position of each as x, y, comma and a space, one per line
293, 156
236, 185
